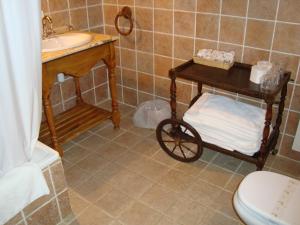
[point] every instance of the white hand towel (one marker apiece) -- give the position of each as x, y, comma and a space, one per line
19, 187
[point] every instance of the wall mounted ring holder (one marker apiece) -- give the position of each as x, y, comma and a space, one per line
127, 14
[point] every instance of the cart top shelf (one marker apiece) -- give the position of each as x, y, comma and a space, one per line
236, 79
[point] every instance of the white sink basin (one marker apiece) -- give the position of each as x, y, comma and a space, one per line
64, 41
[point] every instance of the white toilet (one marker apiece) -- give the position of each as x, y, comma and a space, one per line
268, 198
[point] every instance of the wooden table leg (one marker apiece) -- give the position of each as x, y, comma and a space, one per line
50, 121
279, 116
266, 131
173, 98
78, 90
199, 88
110, 62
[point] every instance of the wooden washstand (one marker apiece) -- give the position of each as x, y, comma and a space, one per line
77, 62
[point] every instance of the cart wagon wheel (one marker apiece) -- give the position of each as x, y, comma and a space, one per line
181, 142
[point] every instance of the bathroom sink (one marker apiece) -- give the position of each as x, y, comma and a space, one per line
65, 41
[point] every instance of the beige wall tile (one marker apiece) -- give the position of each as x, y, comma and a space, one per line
64, 205
128, 58
166, 4
259, 34
56, 5
184, 23
145, 62
183, 47
163, 21
58, 177
129, 78
288, 62
79, 18
102, 93
145, 82
144, 97
144, 18
148, 3
109, 14
251, 56
287, 38
50, 209
289, 11
234, 7
100, 75
128, 41
262, 9
68, 89
163, 44
200, 44
211, 6
207, 26
77, 3
44, 6
292, 123
162, 65
125, 2
60, 19
144, 41
286, 149
186, 5
95, 16
130, 96
296, 97
232, 30
160, 87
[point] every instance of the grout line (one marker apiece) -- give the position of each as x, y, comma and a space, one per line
153, 58
274, 29
219, 24
136, 55
245, 32
288, 109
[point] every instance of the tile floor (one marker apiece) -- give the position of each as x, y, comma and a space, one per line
121, 176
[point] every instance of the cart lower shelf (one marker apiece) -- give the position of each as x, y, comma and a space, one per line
73, 122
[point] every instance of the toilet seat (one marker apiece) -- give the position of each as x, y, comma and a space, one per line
268, 198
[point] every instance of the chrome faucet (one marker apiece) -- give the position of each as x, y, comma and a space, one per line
47, 27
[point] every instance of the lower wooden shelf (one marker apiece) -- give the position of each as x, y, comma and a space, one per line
73, 122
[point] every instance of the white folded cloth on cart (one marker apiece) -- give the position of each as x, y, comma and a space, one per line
227, 123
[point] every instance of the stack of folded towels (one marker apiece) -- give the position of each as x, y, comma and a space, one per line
227, 123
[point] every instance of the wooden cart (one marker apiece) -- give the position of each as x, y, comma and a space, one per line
182, 142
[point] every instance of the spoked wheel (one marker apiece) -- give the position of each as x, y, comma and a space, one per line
181, 142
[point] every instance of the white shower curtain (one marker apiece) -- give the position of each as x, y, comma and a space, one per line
20, 81
21, 181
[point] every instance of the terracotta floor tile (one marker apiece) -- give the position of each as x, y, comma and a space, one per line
127, 139
186, 212
139, 214
75, 153
146, 146
114, 202
111, 151
92, 163
227, 162
75, 175
93, 142
93, 216
176, 180
216, 175
110, 132
92, 189
159, 198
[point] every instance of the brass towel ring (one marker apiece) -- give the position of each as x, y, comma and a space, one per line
126, 13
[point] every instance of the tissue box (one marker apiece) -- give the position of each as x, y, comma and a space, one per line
212, 63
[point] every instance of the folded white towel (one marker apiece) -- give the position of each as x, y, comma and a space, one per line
221, 108
227, 123
19, 187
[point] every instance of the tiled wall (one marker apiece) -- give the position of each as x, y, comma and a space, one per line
56, 205
168, 32
84, 15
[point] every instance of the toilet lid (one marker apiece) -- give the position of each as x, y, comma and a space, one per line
275, 197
